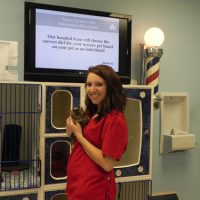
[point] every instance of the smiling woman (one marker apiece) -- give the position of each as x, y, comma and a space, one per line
93, 150
96, 89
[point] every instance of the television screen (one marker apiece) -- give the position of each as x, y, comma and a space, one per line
62, 42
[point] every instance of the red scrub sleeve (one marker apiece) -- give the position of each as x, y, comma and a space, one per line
114, 135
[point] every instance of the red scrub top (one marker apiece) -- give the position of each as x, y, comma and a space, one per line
85, 179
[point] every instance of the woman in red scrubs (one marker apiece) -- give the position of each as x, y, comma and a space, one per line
101, 142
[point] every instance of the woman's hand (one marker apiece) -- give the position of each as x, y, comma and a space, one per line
73, 127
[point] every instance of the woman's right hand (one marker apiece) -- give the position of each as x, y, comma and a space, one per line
68, 129
73, 127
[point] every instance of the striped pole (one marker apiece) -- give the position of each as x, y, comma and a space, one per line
152, 67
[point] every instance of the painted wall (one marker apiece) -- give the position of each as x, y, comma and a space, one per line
180, 70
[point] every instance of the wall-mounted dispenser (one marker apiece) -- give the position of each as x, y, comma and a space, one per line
175, 134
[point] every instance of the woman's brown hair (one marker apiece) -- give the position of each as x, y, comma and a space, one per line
115, 98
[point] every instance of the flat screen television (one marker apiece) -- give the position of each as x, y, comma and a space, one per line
62, 42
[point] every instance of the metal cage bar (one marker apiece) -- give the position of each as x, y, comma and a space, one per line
137, 190
20, 108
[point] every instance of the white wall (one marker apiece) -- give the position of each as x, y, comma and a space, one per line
180, 70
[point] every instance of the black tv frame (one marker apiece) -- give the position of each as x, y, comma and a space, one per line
31, 73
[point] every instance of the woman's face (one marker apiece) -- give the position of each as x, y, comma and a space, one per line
96, 88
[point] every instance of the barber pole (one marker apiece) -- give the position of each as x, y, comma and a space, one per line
152, 67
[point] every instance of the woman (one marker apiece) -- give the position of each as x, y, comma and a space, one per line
101, 142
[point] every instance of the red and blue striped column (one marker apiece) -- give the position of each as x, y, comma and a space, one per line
152, 67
